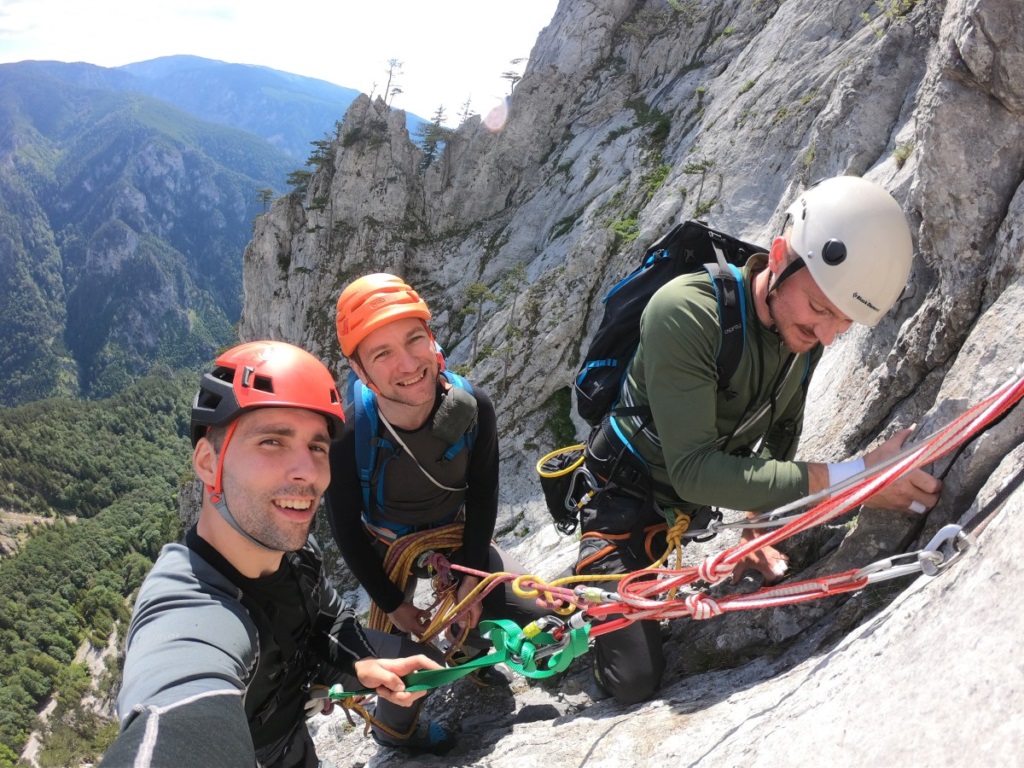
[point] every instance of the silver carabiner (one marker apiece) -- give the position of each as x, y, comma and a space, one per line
890, 568
943, 550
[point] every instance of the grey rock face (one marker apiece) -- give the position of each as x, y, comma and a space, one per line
633, 115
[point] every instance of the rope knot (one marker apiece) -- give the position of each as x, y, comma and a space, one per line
678, 528
713, 569
701, 606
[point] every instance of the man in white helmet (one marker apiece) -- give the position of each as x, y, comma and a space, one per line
843, 257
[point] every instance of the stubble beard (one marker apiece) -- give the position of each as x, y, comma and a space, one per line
274, 533
787, 330
395, 394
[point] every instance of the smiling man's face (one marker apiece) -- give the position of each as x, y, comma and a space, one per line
275, 471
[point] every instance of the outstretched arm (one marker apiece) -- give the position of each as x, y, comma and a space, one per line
915, 492
190, 651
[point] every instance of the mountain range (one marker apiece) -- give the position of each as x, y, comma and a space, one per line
126, 198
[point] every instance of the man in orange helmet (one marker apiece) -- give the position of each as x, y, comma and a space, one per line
234, 627
419, 451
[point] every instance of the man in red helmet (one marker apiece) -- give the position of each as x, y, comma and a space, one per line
419, 451
234, 627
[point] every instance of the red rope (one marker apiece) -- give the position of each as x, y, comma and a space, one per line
638, 589
641, 592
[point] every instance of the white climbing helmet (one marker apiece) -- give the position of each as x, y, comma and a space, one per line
854, 239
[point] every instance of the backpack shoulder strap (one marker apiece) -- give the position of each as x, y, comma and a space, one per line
469, 437
364, 403
732, 314
457, 381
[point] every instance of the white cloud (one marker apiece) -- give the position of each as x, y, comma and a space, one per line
451, 50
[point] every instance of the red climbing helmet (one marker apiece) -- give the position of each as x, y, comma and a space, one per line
263, 374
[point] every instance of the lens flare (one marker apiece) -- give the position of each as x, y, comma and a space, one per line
497, 117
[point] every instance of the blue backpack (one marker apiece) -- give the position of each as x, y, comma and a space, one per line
368, 442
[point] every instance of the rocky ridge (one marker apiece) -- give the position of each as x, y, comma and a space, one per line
633, 114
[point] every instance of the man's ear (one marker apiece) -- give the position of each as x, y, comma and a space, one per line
777, 255
204, 462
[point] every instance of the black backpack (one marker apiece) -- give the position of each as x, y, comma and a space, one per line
686, 248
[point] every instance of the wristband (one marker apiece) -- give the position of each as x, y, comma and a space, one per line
837, 473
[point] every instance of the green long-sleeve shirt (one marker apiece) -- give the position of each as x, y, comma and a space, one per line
674, 372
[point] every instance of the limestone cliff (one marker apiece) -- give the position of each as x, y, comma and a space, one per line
633, 114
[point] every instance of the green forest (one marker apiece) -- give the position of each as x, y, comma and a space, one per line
107, 475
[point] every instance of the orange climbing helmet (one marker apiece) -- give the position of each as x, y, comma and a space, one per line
263, 374
373, 301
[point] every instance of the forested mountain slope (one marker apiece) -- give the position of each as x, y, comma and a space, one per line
122, 222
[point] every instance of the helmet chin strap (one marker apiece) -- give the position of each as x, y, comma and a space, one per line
774, 327
774, 283
791, 269
217, 499
217, 494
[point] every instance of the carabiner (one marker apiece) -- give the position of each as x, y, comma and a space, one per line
943, 550
904, 564
714, 525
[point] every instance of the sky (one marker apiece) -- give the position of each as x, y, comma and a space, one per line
451, 51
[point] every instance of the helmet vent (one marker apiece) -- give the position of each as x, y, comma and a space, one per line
251, 379
207, 399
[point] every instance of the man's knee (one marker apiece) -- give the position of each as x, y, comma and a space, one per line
635, 691
629, 663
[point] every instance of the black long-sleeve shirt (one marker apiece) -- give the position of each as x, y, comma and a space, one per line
411, 499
